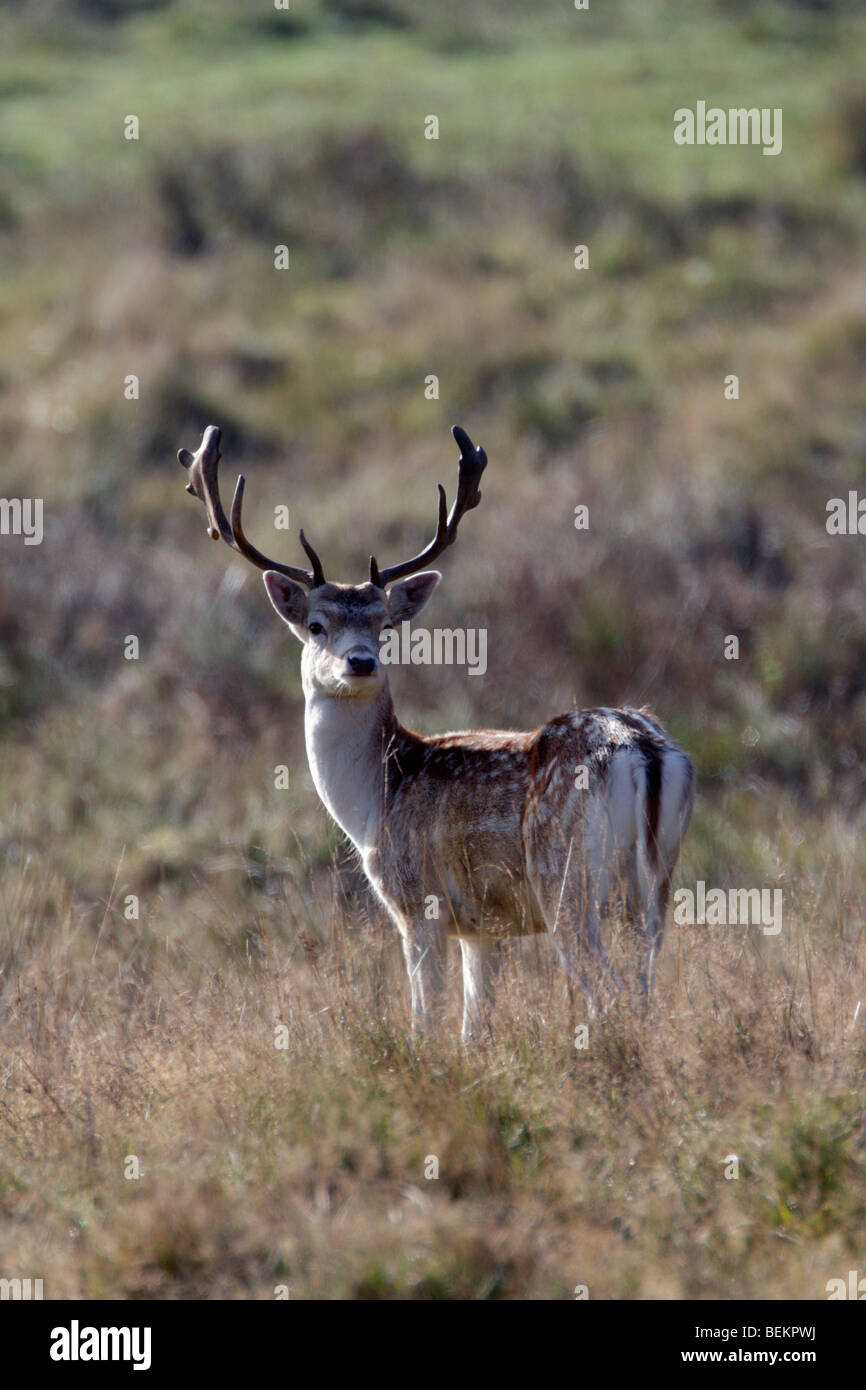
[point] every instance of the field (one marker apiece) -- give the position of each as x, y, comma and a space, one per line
168, 913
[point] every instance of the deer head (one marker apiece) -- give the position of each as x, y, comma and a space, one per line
339, 624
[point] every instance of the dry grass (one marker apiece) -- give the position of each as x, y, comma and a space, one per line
305, 1165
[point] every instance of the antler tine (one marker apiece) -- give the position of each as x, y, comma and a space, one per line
312, 579
318, 572
202, 468
472, 464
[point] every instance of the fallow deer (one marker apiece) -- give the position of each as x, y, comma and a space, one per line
479, 834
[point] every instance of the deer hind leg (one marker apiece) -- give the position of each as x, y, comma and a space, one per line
655, 857
646, 899
572, 899
481, 958
648, 892
424, 954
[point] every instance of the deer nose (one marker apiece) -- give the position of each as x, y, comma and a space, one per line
362, 665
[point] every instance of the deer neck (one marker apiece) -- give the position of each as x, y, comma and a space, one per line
346, 741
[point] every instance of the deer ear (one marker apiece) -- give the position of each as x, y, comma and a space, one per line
288, 598
408, 596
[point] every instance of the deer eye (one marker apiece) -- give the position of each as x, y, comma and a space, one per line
315, 629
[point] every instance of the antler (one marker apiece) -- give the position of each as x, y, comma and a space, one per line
202, 468
472, 464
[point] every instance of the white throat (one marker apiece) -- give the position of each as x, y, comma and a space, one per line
344, 750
